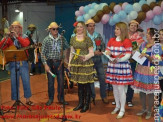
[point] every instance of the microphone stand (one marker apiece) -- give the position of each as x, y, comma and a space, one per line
64, 118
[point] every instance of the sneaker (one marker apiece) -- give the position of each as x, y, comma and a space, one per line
105, 100
141, 112
129, 104
113, 103
148, 116
31, 74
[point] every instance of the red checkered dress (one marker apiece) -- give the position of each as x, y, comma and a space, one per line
119, 73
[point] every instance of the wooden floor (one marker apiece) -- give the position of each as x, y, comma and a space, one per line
98, 113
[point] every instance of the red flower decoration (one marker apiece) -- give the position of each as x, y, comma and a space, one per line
75, 24
98, 42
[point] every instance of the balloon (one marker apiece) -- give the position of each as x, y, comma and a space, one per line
96, 19
128, 19
106, 9
146, 20
117, 8
105, 18
97, 7
152, 5
92, 12
86, 9
145, 8
93, 5
100, 14
111, 22
142, 2
136, 7
86, 17
80, 18
77, 13
102, 5
122, 14
141, 17
149, 15
162, 17
124, 5
150, 1
111, 6
157, 10
128, 8
81, 9
157, 20
116, 18
133, 14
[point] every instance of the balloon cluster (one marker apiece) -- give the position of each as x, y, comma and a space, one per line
144, 10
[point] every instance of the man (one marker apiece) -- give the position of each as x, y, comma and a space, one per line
15, 38
98, 46
52, 55
29, 33
136, 39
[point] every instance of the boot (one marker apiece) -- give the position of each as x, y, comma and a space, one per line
86, 105
81, 99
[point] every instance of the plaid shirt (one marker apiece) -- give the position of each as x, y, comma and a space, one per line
49, 52
101, 47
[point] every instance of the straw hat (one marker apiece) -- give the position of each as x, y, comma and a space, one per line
17, 23
90, 21
134, 21
31, 26
53, 25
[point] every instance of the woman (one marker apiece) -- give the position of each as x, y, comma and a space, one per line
119, 71
144, 74
81, 65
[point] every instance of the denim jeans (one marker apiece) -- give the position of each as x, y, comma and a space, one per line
98, 65
59, 73
23, 71
130, 91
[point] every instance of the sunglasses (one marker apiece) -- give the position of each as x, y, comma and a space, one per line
55, 29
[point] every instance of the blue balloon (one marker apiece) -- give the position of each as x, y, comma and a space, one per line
162, 17
157, 20
141, 2
128, 8
86, 9
116, 18
122, 15
80, 18
93, 4
111, 22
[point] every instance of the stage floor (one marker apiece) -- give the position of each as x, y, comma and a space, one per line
98, 113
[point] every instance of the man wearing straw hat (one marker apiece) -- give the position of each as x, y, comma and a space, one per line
52, 55
98, 46
16, 38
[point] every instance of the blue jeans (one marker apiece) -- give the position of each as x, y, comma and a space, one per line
98, 65
59, 73
130, 91
23, 71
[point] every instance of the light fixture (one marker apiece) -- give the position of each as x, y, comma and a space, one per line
17, 10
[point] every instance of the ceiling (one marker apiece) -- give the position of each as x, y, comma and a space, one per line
47, 1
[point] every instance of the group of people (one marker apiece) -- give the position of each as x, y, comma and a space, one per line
86, 48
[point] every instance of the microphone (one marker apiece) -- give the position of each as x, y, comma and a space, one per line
63, 31
53, 75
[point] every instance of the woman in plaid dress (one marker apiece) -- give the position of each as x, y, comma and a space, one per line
119, 71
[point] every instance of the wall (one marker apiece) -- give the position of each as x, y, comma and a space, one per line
39, 14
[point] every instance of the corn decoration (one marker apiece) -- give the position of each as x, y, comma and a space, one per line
77, 53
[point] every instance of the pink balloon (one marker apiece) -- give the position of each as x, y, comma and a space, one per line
157, 10
77, 13
124, 5
81, 9
117, 8
146, 20
149, 15
103, 22
105, 18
